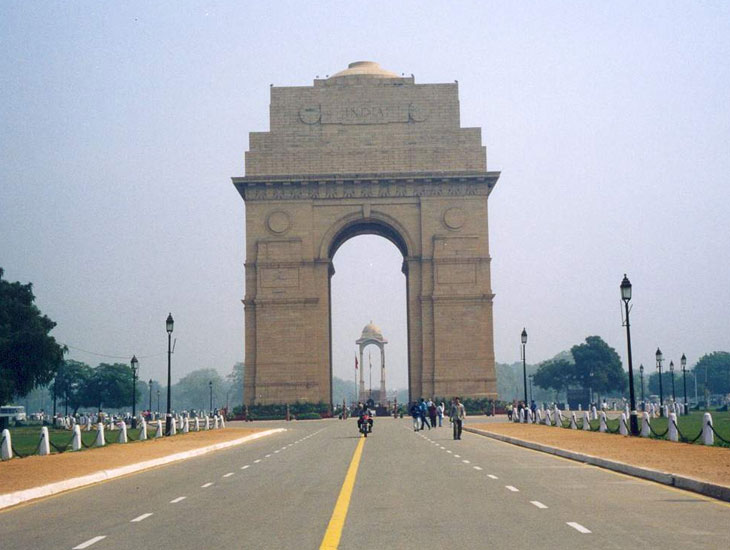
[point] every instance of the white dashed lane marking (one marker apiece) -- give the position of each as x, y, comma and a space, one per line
492, 476
511, 488
578, 527
178, 499
206, 485
538, 504
140, 518
89, 542
257, 461
477, 467
229, 474
246, 466
466, 462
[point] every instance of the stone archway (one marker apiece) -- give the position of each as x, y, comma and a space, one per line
366, 151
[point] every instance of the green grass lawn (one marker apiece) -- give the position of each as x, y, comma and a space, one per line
25, 440
689, 425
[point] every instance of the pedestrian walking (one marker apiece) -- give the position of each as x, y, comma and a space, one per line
423, 409
432, 412
440, 409
415, 412
458, 413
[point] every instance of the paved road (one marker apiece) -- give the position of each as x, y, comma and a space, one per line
412, 490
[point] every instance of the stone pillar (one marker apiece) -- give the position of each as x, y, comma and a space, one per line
672, 425
142, 429
708, 437
602, 419
6, 450
645, 424
123, 432
100, 441
586, 421
622, 424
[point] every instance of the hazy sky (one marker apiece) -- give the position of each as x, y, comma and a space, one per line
121, 125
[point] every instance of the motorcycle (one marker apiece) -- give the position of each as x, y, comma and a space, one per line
365, 425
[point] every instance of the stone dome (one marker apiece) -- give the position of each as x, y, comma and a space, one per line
372, 332
365, 68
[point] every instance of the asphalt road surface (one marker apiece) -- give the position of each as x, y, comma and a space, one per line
411, 490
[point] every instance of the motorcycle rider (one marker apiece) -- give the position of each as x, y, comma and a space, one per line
364, 415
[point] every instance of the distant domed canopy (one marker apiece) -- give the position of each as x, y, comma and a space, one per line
365, 68
371, 332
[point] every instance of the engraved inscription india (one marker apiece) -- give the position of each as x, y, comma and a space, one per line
360, 113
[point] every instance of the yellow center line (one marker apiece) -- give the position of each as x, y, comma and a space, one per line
339, 514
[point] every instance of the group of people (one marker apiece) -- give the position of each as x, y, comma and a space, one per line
428, 414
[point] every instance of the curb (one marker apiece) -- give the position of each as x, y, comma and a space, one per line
18, 497
720, 492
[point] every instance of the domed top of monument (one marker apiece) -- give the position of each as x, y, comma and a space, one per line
365, 68
372, 332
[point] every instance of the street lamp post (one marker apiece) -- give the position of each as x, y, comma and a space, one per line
626, 297
150, 407
169, 324
671, 374
683, 362
530, 379
641, 376
659, 359
135, 366
523, 337
210, 386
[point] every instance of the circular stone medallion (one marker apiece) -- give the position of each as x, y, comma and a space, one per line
278, 222
454, 218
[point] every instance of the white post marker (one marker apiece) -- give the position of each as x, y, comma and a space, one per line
215, 424
602, 419
173, 426
143, 430
645, 424
45, 446
6, 450
666, 411
76, 439
708, 438
538, 416
586, 421
158, 432
122, 432
100, 441
197, 424
573, 423
673, 435
207, 423
186, 425
223, 422
594, 413
622, 424
523, 420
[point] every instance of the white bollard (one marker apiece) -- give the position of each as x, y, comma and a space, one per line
673, 435
100, 441
559, 419
666, 411
122, 432
580, 407
45, 446
573, 423
622, 425
645, 424
594, 413
207, 423
76, 439
708, 438
215, 422
197, 424
142, 429
602, 426
538, 416
586, 421
223, 422
186, 425
173, 427
6, 449
523, 418
158, 432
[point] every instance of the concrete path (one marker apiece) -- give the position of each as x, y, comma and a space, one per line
411, 490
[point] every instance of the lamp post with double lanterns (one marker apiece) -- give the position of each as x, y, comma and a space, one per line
683, 362
523, 338
626, 297
169, 325
135, 367
659, 359
641, 376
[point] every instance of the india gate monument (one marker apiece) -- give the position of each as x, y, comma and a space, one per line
366, 151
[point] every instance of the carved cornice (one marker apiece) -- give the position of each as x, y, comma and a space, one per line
364, 186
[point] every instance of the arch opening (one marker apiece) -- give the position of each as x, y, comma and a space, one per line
368, 289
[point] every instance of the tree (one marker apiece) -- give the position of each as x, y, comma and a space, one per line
109, 386
29, 356
71, 383
555, 373
193, 391
598, 366
235, 381
715, 368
